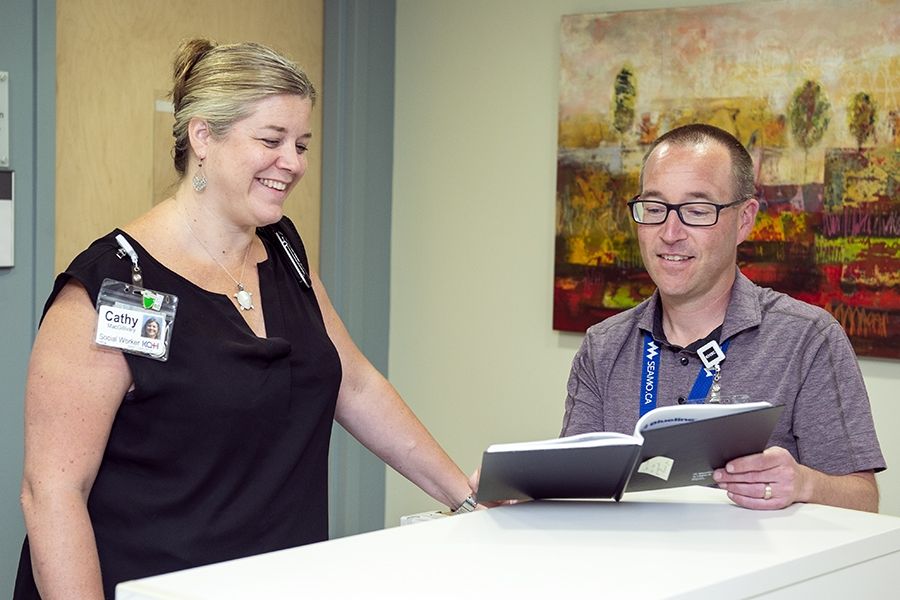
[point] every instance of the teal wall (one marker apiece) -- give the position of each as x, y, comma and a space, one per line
28, 54
357, 163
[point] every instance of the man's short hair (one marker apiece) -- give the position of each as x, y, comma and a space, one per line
742, 173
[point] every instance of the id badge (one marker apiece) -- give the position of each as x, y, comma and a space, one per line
134, 319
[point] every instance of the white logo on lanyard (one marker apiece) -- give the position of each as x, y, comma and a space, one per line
711, 355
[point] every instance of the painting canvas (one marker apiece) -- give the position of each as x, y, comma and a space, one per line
811, 88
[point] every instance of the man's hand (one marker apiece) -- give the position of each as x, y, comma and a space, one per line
766, 481
773, 479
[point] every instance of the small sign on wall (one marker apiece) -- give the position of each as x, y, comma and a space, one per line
165, 179
7, 222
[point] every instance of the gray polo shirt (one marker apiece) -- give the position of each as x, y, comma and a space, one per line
781, 350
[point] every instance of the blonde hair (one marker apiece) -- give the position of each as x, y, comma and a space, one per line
221, 83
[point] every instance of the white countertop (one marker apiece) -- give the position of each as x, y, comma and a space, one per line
686, 542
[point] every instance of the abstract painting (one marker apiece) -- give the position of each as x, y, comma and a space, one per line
810, 87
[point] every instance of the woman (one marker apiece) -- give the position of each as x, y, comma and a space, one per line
136, 466
150, 329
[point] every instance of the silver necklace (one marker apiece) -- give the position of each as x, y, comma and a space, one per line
243, 297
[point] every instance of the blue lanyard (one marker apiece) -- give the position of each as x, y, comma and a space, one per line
650, 378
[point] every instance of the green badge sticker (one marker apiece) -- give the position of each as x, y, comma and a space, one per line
151, 300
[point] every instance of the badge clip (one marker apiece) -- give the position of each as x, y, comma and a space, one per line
711, 355
136, 277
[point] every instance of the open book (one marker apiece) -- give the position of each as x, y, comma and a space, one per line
672, 446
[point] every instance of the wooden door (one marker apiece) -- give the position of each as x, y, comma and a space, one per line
114, 70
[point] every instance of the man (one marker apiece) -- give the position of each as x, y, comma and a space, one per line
696, 205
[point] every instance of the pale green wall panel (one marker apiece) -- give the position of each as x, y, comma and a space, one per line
28, 54
357, 104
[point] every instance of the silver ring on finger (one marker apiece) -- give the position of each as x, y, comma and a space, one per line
767, 495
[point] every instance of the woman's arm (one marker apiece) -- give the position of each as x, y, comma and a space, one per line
73, 391
370, 408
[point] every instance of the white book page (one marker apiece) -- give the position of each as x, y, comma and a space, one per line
667, 416
582, 440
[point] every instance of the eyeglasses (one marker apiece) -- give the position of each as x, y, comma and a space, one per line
693, 214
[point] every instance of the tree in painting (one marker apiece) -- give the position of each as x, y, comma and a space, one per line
861, 117
809, 115
624, 95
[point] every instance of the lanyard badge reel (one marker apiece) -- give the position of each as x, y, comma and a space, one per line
712, 356
132, 318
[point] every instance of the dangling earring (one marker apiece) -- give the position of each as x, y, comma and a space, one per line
199, 180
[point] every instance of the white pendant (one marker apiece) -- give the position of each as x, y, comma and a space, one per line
244, 298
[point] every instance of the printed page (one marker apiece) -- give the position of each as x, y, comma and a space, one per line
582, 440
667, 416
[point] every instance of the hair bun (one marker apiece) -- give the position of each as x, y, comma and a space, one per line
189, 54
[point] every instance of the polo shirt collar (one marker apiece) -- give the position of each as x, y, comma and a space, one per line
743, 310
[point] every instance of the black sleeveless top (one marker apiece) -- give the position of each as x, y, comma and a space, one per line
222, 451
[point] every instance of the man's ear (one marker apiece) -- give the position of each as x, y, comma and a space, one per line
747, 218
199, 136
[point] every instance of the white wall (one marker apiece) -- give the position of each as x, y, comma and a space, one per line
471, 343
882, 379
